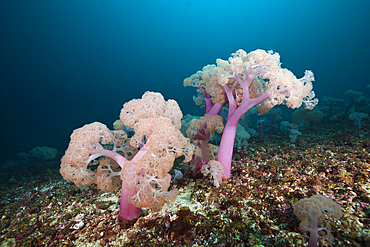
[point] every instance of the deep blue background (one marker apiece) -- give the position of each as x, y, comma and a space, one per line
67, 63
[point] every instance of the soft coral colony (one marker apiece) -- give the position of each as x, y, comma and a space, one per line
141, 163
244, 81
145, 177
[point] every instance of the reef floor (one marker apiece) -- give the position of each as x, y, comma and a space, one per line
253, 208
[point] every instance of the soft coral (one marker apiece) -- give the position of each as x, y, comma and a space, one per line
145, 178
247, 80
310, 212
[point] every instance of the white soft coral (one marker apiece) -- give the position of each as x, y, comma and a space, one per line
310, 212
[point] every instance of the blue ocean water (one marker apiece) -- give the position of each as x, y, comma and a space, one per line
67, 63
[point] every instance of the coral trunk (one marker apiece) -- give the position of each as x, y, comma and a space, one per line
225, 153
127, 210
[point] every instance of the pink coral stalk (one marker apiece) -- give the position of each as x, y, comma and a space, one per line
225, 152
127, 209
212, 108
